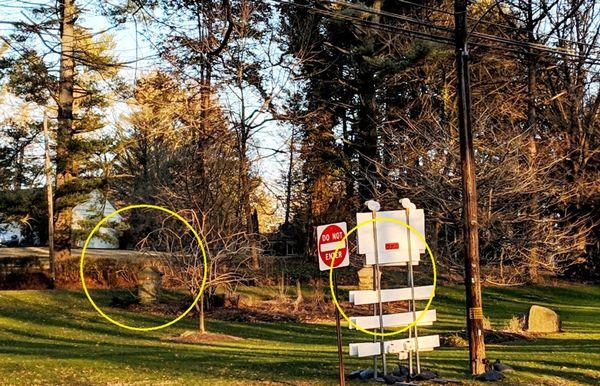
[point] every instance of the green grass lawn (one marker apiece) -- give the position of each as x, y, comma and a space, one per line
57, 338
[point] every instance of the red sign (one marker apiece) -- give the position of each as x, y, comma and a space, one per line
391, 246
329, 238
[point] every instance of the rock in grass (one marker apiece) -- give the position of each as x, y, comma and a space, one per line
367, 374
542, 319
391, 379
401, 371
354, 374
490, 376
499, 366
425, 375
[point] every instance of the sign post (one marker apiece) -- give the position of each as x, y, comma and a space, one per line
389, 242
377, 308
328, 240
411, 282
338, 335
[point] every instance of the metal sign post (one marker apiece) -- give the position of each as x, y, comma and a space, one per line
328, 239
377, 286
390, 244
412, 304
338, 334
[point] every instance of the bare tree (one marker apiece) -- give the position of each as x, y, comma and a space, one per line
181, 258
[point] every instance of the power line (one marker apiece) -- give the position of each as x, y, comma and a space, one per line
389, 14
387, 27
437, 38
477, 20
430, 25
497, 39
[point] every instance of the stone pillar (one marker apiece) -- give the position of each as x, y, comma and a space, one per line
149, 285
365, 278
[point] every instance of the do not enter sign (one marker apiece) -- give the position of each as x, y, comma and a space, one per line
328, 240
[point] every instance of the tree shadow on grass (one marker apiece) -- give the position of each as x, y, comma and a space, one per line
47, 317
246, 362
269, 351
565, 374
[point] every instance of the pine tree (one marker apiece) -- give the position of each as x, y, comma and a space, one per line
87, 74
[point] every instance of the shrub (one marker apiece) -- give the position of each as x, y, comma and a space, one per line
487, 323
455, 340
515, 324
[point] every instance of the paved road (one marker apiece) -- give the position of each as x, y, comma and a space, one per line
42, 253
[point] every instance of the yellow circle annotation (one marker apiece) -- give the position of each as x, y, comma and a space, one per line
341, 243
97, 227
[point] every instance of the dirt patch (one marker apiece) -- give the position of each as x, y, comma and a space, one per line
171, 304
251, 315
286, 310
193, 337
160, 309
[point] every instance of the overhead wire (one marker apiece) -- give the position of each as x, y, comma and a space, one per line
390, 28
506, 50
509, 42
479, 20
541, 47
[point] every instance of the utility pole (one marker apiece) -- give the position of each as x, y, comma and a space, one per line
470, 227
48, 169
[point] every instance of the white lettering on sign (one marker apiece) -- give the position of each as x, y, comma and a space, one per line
329, 239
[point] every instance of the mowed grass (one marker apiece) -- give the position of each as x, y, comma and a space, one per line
57, 338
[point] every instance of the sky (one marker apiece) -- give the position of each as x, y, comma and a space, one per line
132, 45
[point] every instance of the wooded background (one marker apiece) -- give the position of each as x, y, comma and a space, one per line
262, 119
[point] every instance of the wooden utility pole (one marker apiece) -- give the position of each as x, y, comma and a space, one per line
471, 238
48, 169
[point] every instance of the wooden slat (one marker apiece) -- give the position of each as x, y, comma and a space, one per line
394, 320
390, 295
399, 346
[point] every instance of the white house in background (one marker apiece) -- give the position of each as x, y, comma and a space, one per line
87, 213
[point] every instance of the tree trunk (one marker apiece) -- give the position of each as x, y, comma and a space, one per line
245, 204
367, 126
49, 198
290, 173
299, 297
200, 309
533, 259
255, 250
65, 164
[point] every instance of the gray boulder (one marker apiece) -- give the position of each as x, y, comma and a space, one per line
499, 366
490, 376
367, 374
542, 320
391, 379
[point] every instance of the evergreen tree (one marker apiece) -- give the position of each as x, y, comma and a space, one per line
87, 73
